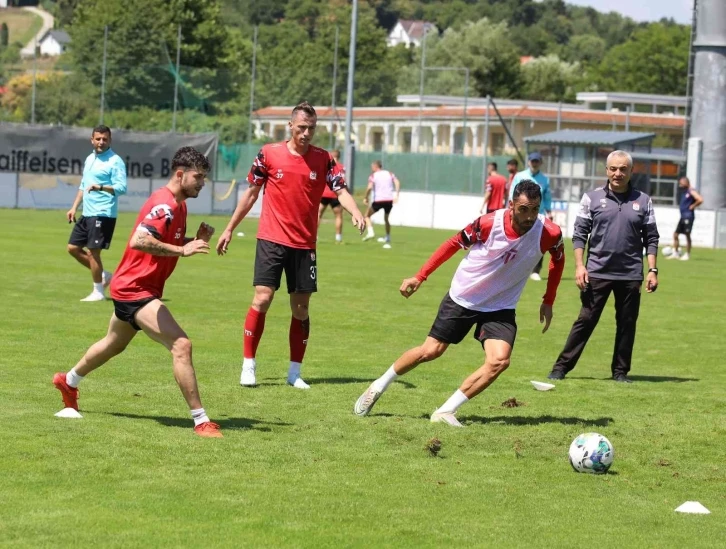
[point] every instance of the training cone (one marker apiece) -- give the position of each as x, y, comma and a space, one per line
69, 413
693, 507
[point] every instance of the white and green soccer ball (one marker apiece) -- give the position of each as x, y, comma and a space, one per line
591, 453
667, 251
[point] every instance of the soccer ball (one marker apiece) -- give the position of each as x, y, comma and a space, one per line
667, 250
591, 453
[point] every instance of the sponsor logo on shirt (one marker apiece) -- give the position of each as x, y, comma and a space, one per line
509, 255
636, 207
313, 176
162, 211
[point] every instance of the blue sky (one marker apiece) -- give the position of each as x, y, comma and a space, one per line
643, 10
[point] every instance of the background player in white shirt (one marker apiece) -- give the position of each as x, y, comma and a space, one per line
503, 247
383, 184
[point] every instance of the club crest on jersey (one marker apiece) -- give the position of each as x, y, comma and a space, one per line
278, 175
312, 256
636, 207
509, 255
160, 212
313, 176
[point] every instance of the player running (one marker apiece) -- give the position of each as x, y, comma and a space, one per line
156, 243
330, 198
294, 174
503, 248
382, 184
689, 201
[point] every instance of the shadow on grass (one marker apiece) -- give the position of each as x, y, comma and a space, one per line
648, 379
331, 381
538, 420
230, 423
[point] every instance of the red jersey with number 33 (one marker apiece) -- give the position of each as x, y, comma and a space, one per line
293, 188
141, 275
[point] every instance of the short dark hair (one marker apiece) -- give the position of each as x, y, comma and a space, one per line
513, 162
528, 188
378, 163
305, 107
101, 129
335, 153
189, 157
493, 165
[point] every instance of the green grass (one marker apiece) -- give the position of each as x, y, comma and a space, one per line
297, 468
22, 25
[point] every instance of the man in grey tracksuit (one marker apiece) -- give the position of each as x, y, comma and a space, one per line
615, 222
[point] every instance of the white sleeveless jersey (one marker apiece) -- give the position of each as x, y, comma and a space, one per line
493, 274
383, 186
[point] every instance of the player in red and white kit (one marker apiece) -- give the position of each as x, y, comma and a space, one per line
330, 198
385, 187
294, 174
503, 247
157, 242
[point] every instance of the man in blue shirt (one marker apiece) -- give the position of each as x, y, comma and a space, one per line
690, 200
104, 180
534, 160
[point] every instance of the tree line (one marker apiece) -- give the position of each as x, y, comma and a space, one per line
572, 49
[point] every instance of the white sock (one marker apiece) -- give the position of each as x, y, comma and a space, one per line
455, 400
382, 383
370, 231
98, 287
73, 379
338, 237
199, 416
294, 372
249, 364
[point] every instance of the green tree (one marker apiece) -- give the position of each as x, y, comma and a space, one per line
550, 79
63, 12
4, 35
482, 47
654, 60
587, 49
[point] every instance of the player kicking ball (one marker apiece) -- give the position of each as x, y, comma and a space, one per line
503, 247
156, 244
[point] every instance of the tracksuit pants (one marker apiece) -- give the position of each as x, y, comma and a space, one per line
594, 298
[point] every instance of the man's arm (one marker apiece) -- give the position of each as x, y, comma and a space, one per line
477, 231
547, 199
369, 188
144, 241
348, 202
583, 228
397, 185
650, 242
244, 205
698, 199
487, 196
71, 214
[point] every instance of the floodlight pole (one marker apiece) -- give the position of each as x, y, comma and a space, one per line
349, 98
252, 84
103, 73
176, 80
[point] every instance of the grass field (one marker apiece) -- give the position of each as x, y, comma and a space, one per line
22, 24
296, 468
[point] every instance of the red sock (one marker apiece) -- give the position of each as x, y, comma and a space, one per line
299, 333
254, 326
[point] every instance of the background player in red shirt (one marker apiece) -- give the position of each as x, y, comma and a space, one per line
294, 174
157, 242
503, 247
330, 198
495, 190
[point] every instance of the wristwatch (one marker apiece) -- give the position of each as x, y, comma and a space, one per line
653, 270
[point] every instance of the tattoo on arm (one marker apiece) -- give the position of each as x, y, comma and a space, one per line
144, 242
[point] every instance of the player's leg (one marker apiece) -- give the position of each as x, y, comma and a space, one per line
301, 271
687, 255
338, 212
156, 321
496, 331
269, 263
451, 325
369, 223
675, 254
77, 243
627, 308
387, 239
593, 301
321, 210
119, 335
